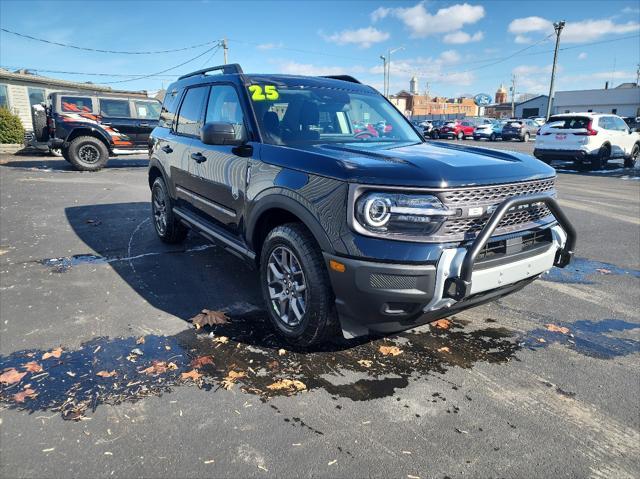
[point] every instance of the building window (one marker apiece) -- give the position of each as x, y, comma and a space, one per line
4, 97
589, 111
36, 96
614, 111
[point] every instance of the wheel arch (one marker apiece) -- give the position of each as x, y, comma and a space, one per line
86, 131
276, 209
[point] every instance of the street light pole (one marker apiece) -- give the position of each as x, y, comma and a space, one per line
558, 26
389, 67
384, 74
225, 49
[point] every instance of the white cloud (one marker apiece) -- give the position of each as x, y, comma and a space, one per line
308, 69
533, 78
582, 56
448, 57
461, 37
445, 20
574, 32
530, 24
631, 10
380, 13
269, 46
363, 37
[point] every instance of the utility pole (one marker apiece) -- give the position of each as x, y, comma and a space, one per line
558, 26
384, 74
513, 96
225, 49
638, 75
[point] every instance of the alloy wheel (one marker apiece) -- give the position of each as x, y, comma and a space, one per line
89, 153
159, 206
287, 286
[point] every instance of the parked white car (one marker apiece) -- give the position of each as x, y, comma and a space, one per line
591, 138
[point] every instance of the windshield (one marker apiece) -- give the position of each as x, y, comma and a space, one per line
296, 115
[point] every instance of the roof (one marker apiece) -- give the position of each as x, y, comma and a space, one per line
56, 82
531, 99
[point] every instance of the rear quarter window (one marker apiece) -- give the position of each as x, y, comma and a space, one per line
148, 110
77, 104
169, 108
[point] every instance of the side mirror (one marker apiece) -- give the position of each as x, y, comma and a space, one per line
219, 133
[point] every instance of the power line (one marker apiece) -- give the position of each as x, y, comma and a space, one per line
120, 52
33, 69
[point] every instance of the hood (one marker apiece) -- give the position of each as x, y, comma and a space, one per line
424, 165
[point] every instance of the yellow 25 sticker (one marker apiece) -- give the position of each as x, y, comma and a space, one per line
269, 93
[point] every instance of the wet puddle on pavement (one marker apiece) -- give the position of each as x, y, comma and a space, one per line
243, 354
584, 271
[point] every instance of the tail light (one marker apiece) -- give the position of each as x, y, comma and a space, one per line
590, 131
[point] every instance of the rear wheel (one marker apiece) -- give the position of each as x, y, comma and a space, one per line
632, 159
600, 161
460, 136
526, 137
87, 153
296, 287
435, 135
167, 225
492, 137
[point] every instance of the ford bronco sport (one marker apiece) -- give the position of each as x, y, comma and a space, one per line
363, 234
90, 128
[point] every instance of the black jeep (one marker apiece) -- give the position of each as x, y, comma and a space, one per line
375, 233
90, 128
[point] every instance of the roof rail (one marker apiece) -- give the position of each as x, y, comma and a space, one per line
348, 78
226, 69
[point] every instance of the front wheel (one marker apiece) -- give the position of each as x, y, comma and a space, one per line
296, 287
526, 137
492, 137
632, 159
460, 136
435, 135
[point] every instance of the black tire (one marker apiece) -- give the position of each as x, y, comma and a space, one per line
168, 227
87, 153
435, 135
460, 136
40, 128
526, 137
492, 137
318, 320
600, 161
631, 160
65, 153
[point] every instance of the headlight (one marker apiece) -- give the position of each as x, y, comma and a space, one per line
398, 213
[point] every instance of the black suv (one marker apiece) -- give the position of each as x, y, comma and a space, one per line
363, 234
90, 128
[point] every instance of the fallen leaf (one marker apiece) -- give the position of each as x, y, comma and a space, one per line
33, 367
367, 363
159, 367
54, 353
603, 270
282, 352
331, 463
140, 340
72, 374
49, 449
461, 431
11, 376
221, 339
209, 318
201, 361
557, 329
444, 349
24, 394
106, 374
290, 385
273, 364
193, 375
441, 324
210, 461
231, 378
409, 476
260, 466
541, 340
390, 350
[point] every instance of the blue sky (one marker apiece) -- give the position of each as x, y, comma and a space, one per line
454, 47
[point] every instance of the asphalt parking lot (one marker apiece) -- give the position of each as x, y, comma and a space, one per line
543, 383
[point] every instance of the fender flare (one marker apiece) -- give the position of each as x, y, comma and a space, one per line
286, 199
155, 163
91, 130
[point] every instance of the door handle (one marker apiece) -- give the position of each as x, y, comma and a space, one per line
167, 149
199, 157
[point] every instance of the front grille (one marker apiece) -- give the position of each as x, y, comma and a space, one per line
496, 193
471, 226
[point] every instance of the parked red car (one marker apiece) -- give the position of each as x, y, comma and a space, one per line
458, 129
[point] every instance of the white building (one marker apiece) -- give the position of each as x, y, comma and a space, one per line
623, 100
19, 91
536, 106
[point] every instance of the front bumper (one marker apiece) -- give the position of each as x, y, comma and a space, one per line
385, 298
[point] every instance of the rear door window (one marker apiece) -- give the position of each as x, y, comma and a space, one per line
114, 108
147, 110
77, 104
190, 116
